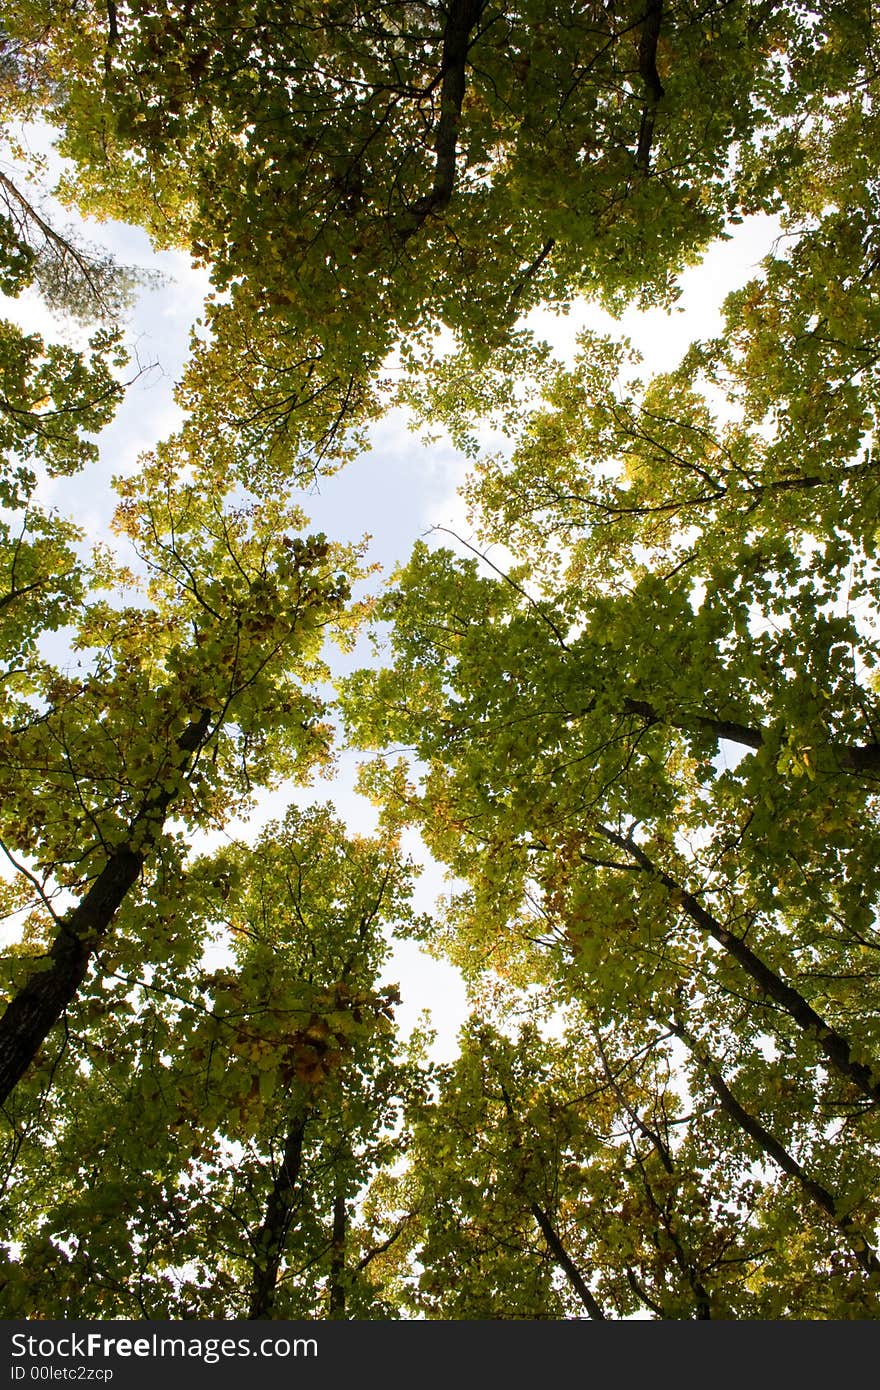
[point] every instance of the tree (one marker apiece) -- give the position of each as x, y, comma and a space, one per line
491, 1215
643, 736
209, 1164
53, 400
190, 700
567, 1178
73, 278
356, 177
647, 743
198, 663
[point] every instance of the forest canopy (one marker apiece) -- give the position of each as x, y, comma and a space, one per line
634, 713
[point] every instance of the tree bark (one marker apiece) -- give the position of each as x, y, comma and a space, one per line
565, 1262
462, 18
38, 1005
336, 1305
854, 757
272, 1235
836, 1047
648, 40
815, 1191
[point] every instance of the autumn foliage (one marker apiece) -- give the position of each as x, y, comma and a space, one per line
635, 712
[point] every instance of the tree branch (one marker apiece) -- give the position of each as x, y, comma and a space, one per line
817, 1193
38, 1005
648, 40
272, 1235
554, 1243
834, 1045
853, 757
462, 18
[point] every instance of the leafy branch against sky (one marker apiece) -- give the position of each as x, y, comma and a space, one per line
438, 533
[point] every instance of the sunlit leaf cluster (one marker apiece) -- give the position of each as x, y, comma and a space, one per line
634, 712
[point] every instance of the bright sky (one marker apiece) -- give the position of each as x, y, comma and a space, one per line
396, 492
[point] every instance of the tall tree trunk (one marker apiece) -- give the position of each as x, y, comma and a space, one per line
565, 1262
815, 1191
337, 1258
462, 18
551, 1235
39, 1004
836, 1047
649, 38
272, 1236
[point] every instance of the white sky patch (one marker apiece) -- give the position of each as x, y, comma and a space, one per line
663, 336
